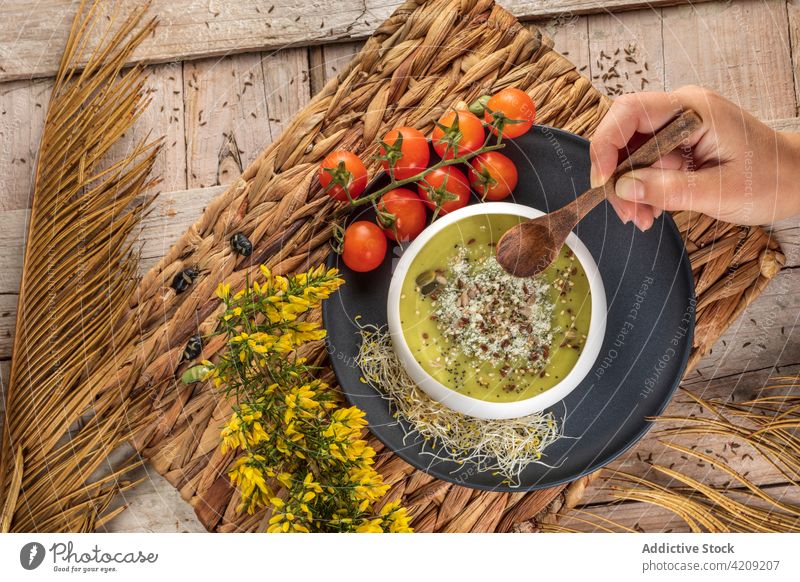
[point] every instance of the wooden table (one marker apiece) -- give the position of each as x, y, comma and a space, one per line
225, 88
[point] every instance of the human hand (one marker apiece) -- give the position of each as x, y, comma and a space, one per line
734, 168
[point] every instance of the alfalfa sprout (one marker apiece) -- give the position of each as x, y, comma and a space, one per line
503, 447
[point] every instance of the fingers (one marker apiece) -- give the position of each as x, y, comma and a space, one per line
673, 189
643, 215
634, 113
624, 209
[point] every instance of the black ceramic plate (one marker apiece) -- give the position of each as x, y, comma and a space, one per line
650, 297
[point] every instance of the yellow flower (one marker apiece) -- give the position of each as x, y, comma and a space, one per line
243, 429
369, 485
300, 402
310, 485
285, 343
306, 331
396, 518
251, 482
301, 301
285, 479
223, 291
370, 526
284, 414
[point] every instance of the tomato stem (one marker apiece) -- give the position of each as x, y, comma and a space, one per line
394, 183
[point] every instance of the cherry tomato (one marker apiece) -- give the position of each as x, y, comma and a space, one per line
493, 175
413, 154
447, 186
409, 214
515, 108
364, 246
470, 128
347, 168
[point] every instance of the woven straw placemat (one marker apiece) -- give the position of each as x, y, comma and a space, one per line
427, 56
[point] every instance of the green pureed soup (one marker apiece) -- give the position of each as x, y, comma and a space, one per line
484, 333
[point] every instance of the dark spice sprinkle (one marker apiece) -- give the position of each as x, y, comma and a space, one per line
241, 244
183, 280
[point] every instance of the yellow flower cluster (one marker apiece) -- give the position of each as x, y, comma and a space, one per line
251, 480
303, 456
243, 430
392, 519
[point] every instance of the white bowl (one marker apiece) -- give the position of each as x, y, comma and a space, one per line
482, 408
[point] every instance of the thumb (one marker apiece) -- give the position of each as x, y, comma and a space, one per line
671, 189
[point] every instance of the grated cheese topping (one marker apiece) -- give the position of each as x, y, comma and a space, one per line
491, 316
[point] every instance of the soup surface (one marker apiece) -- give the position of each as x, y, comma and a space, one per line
484, 333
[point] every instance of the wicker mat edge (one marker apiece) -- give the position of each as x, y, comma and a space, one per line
277, 203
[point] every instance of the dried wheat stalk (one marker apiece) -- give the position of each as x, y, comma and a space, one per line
767, 423
62, 418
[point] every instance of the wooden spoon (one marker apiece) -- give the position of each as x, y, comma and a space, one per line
530, 247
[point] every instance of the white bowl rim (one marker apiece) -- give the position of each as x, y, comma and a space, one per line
474, 406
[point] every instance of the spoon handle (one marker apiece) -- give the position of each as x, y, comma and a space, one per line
665, 140
660, 144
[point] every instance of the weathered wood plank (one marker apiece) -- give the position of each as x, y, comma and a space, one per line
31, 41
286, 85
645, 517
12, 241
793, 9
766, 336
626, 52
570, 36
740, 49
22, 110
5, 372
171, 215
637, 516
337, 56
637, 461
316, 69
787, 124
163, 117
226, 118
787, 233
8, 314
166, 117
154, 506
327, 61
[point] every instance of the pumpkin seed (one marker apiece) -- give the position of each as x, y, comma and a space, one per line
427, 282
